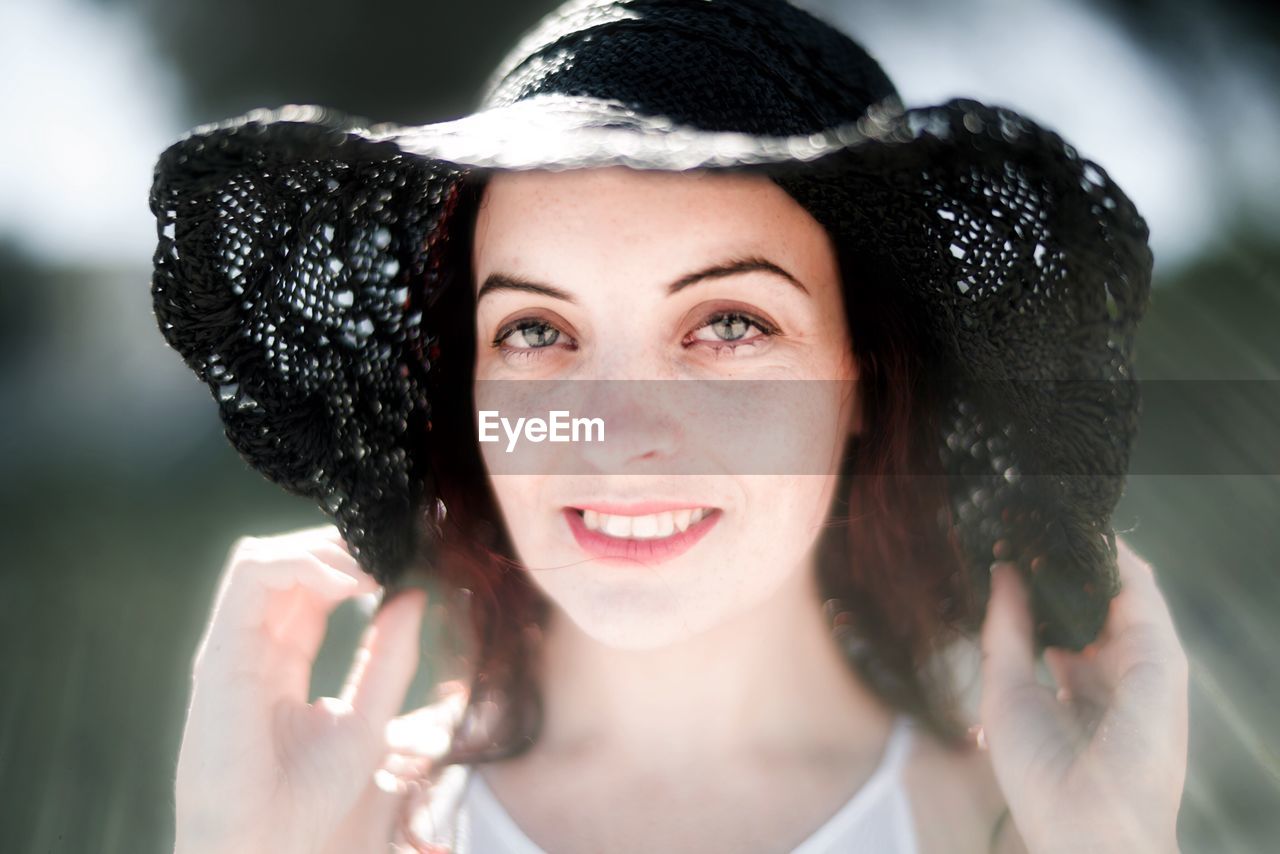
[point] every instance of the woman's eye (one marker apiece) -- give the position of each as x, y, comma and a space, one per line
527, 335
732, 328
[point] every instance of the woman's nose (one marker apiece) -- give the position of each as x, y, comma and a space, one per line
642, 428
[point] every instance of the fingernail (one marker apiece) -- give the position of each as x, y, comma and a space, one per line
368, 603
1001, 570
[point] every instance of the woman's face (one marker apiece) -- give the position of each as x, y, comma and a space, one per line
672, 525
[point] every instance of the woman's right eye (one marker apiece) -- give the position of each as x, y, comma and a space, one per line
526, 336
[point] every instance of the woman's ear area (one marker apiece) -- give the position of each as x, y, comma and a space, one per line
855, 421
850, 374
854, 408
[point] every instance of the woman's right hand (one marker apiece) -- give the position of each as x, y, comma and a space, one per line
261, 769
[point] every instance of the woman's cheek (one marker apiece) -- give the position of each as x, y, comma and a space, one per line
517, 500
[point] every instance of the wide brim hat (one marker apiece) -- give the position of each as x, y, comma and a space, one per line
301, 251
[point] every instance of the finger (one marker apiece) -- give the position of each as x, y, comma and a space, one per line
326, 541
1139, 630
1078, 675
1140, 599
261, 591
1012, 698
337, 556
329, 547
387, 659
324, 533
259, 567
1145, 663
1022, 724
1008, 654
280, 564
427, 731
271, 613
371, 823
298, 623
1083, 693
297, 619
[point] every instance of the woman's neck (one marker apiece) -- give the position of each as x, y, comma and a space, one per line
770, 682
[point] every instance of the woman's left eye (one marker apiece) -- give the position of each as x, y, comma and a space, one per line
726, 330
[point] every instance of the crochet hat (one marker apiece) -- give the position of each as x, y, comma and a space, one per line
301, 251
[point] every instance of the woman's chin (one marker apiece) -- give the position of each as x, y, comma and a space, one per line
628, 617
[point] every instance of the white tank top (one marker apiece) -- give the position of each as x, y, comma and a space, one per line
877, 817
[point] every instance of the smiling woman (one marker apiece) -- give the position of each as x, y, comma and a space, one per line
620, 245
825, 334
667, 554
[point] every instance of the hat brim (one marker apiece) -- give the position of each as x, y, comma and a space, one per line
296, 258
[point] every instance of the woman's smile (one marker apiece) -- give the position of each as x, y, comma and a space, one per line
643, 527
631, 534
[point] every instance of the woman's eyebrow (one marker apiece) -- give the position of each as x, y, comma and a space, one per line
510, 282
733, 267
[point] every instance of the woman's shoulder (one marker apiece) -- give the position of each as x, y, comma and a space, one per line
956, 801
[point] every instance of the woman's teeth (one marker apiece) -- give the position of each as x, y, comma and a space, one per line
651, 527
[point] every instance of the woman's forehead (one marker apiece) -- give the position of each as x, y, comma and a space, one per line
618, 215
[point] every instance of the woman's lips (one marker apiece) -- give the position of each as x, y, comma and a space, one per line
643, 508
648, 550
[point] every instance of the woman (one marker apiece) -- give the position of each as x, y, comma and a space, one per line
709, 631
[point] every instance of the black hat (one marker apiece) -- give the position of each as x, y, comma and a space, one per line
300, 250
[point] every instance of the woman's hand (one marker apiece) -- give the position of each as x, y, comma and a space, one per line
1099, 765
261, 769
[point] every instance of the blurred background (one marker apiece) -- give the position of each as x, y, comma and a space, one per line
119, 497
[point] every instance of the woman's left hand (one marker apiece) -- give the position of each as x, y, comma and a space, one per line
1098, 765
